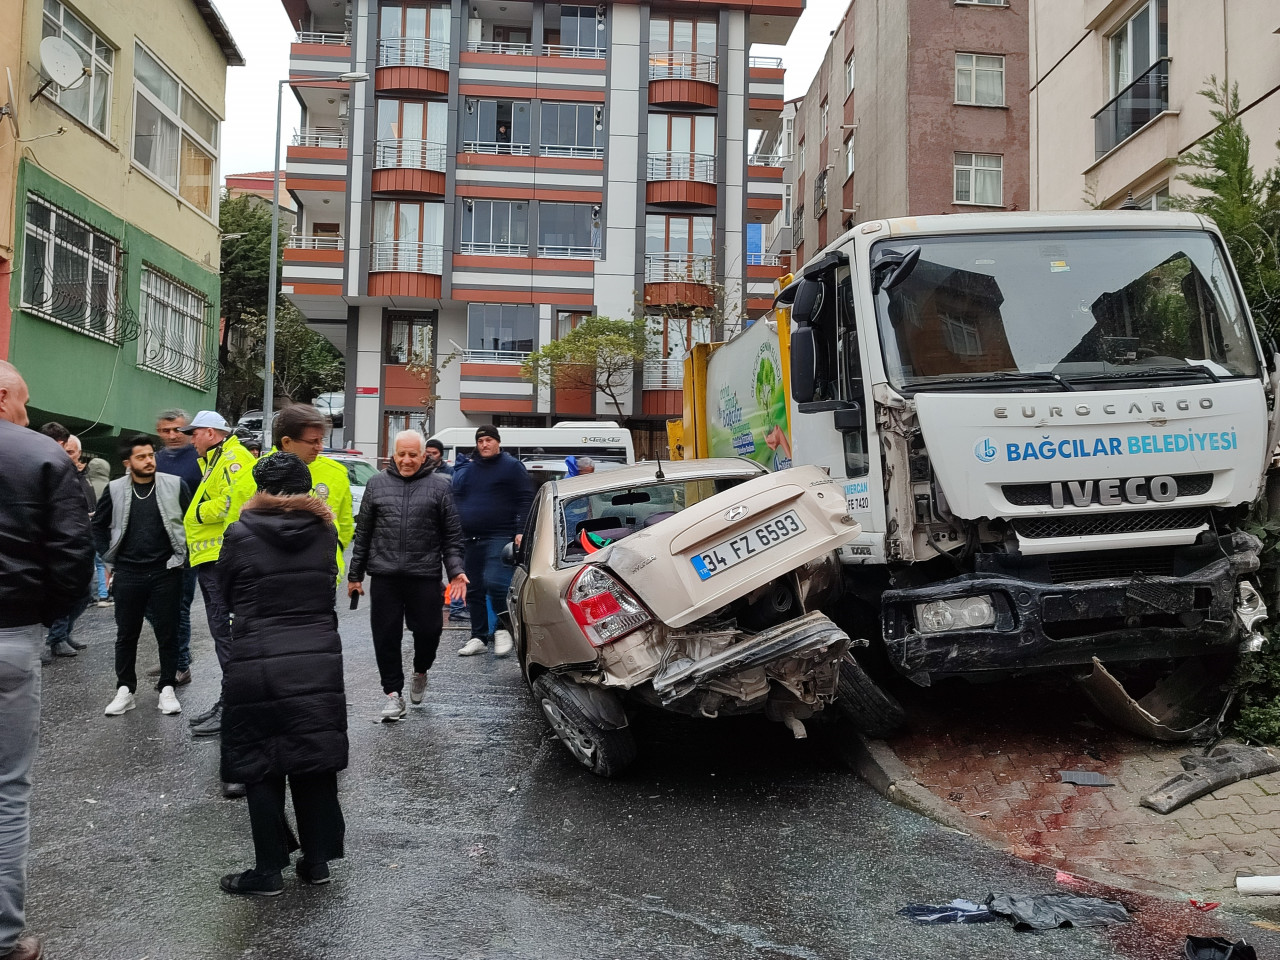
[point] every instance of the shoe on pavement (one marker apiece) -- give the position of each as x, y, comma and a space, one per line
200, 718
254, 884
394, 707
182, 678
472, 647
75, 644
417, 687
46, 654
501, 643
233, 791
169, 702
212, 726
124, 702
153, 671
63, 649
105, 602
313, 874
27, 948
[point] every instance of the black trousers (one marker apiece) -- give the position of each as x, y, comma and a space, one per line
315, 806
395, 602
154, 595
215, 609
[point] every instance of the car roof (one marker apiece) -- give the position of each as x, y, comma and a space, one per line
645, 472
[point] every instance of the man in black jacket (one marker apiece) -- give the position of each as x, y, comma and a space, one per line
46, 559
407, 525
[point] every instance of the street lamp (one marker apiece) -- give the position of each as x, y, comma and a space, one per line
268, 367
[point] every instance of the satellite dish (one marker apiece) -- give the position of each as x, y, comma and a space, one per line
61, 63
8, 109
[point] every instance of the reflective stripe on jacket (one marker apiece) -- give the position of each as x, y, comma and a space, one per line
206, 518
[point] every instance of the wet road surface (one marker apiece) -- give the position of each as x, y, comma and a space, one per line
472, 834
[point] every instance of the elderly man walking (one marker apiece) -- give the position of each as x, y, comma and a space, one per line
46, 559
407, 527
59, 641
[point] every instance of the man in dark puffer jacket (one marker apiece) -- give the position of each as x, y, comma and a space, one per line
285, 708
407, 527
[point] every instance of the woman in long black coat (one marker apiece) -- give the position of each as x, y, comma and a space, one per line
285, 713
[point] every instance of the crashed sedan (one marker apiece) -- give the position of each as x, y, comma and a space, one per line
692, 586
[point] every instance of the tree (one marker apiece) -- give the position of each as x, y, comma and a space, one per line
599, 355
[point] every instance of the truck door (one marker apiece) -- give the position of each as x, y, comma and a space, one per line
833, 426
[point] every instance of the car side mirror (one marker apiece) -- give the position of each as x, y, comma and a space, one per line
509, 554
802, 364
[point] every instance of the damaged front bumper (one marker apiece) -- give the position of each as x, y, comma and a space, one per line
1201, 608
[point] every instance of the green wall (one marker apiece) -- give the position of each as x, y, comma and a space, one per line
78, 379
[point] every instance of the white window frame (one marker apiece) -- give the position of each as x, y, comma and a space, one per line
184, 130
509, 248
981, 3
108, 265
826, 117
848, 158
972, 69
1119, 80
99, 58
175, 338
848, 75
967, 163
786, 204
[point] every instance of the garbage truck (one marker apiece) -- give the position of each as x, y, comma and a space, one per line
1049, 426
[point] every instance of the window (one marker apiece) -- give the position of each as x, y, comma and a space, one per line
800, 169
175, 138
581, 33
409, 338
979, 178
495, 126
572, 130
412, 135
177, 333
413, 36
1156, 200
979, 80
825, 118
568, 230
89, 101
786, 205
848, 75
407, 237
788, 136
848, 158
501, 327
567, 320
682, 48
495, 226
1139, 44
820, 194
679, 249
70, 272
682, 147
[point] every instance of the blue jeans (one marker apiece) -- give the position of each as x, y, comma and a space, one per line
99, 578
488, 578
60, 630
20, 721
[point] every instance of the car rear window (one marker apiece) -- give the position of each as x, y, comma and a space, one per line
359, 472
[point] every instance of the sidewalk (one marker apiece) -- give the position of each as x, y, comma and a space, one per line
985, 760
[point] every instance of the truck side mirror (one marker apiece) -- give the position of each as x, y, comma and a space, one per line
802, 364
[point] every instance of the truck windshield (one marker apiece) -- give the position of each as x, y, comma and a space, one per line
1055, 311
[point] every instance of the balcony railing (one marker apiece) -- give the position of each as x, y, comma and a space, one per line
1132, 108
413, 52
562, 50
558, 150
333, 137
679, 268
663, 375
494, 356
494, 249
495, 46
492, 146
562, 252
767, 63
768, 159
409, 155
405, 256
682, 65
315, 243
328, 39
682, 166
764, 260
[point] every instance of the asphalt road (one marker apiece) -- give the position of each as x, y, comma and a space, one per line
471, 833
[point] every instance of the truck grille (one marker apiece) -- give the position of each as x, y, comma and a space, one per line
1037, 494
1120, 565
1104, 524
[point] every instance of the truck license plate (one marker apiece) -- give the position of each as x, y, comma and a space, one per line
758, 539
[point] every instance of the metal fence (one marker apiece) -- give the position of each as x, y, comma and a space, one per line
328, 39
494, 46
663, 375
682, 166
563, 50
682, 65
315, 243
409, 155
413, 52
403, 256
332, 137
679, 268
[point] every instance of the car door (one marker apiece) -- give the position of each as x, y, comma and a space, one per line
520, 575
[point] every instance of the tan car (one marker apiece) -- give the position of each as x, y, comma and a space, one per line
692, 586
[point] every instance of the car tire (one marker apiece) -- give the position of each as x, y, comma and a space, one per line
606, 753
873, 710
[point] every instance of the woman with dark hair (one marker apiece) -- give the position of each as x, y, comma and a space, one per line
285, 713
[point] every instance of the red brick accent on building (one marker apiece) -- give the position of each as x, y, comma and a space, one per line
400, 388
693, 294
685, 192
430, 182
512, 405
299, 255
696, 93
322, 51
404, 285
411, 79
662, 403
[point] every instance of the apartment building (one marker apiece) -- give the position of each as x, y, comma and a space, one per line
109, 241
510, 168
1115, 94
919, 108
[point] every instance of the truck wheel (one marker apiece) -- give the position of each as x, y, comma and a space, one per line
606, 753
873, 710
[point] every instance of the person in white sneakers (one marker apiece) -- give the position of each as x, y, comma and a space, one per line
138, 530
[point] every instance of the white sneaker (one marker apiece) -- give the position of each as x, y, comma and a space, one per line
501, 643
168, 702
394, 708
472, 647
417, 687
123, 703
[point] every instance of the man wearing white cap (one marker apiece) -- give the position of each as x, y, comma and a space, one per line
222, 457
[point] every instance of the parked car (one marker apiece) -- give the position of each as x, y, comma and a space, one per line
691, 586
359, 471
252, 422
332, 405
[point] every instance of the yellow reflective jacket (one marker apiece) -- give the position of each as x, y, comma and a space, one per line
207, 518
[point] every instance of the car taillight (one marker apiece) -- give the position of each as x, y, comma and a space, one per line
604, 609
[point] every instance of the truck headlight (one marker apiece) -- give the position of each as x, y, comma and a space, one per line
938, 616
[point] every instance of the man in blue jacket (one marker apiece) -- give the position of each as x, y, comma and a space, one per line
492, 492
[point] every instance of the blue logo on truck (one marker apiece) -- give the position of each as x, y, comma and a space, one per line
985, 450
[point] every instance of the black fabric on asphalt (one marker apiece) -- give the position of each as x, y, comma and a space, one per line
1218, 948
957, 911
1049, 910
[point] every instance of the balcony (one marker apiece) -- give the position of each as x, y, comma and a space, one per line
324, 39
496, 148
409, 167
683, 78
405, 268
312, 275
562, 252
492, 249
315, 243
489, 381
679, 278
325, 138
681, 178
500, 46
1132, 108
562, 50
494, 356
413, 65
665, 374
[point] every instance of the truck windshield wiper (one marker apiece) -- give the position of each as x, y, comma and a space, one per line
1150, 373
994, 377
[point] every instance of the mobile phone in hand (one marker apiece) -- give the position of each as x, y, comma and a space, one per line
355, 599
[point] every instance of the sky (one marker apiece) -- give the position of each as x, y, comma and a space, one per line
262, 32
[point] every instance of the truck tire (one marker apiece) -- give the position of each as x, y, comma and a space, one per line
606, 753
873, 710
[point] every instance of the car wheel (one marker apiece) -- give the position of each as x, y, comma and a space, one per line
605, 753
873, 710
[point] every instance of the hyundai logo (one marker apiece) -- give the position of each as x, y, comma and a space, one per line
736, 513
985, 450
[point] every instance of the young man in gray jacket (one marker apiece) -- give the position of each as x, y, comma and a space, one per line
138, 529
